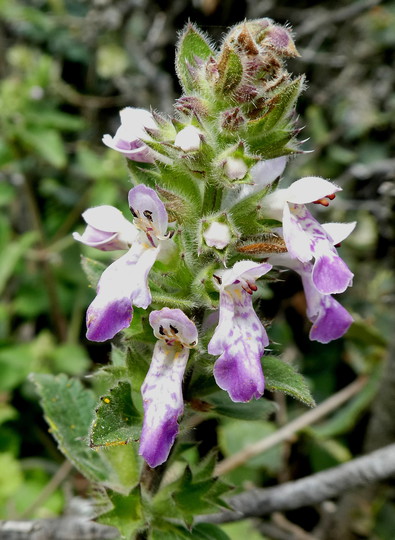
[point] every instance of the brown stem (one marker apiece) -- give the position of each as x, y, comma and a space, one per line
150, 478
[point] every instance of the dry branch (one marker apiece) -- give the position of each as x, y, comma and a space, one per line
67, 528
314, 489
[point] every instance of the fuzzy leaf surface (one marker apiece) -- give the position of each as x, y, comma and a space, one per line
116, 420
273, 144
126, 513
230, 71
280, 107
196, 492
284, 378
192, 44
69, 409
245, 213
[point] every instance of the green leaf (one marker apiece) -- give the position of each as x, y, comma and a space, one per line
7, 412
93, 270
208, 531
236, 435
140, 173
203, 382
324, 454
55, 119
11, 254
196, 492
241, 529
202, 531
126, 462
116, 420
179, 191
68, 408
48, 144
15, 364
173, 301
126, 514
191, 44
284, 378
230, 71
70, 358
258, 409
137, 363
273, 144
11, 476
244, 214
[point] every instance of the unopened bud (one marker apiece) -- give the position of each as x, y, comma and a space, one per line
279, 39
188, 139
217, 235
246, 93
192, 104
235, 168
232, 119
246, 42
212, 69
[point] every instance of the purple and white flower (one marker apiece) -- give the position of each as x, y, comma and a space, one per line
330, 319
162, 387
125, 282
304, 237
240, 338
132, 132
106, 229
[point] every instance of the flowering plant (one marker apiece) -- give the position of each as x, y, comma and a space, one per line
207, 221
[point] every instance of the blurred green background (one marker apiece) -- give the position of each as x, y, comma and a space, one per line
67, 68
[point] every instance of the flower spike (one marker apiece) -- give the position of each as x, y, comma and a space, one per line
240, 338
162, 387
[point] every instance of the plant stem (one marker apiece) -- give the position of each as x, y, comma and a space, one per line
150, 478
212, 199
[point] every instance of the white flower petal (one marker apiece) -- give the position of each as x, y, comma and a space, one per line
339, 231
310, 189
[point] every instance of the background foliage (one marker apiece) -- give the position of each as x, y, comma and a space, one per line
68, 67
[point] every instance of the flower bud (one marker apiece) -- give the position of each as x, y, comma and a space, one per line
279, 39
192, 105
188, 139
212, 70
217, 235
232, 119
235, 168
246, 93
